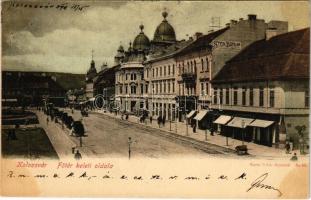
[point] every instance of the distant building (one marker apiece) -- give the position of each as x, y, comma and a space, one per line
263, 92
31, 88
104, 84
90, 75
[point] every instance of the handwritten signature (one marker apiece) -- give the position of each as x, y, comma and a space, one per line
61, 6
258, 183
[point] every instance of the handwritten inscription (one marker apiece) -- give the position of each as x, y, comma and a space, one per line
42, 5
258, 183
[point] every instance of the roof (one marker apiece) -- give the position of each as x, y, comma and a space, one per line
203, 41
284, 56
183, 47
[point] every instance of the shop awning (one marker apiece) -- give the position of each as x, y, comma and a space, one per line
237, 122
190, 114
200, 115
92, 99
261, 123
223, 119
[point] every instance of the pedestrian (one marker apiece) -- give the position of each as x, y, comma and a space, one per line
150, 118
122, 116
126, 116
78, 155
212, 131
294, 157
159, 121
47, 120
194, 128
163, 120
287, 147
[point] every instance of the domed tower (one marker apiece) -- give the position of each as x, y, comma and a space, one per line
120, 55
92, 72
165, 33
141, 42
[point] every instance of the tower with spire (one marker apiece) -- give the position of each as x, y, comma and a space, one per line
91, 73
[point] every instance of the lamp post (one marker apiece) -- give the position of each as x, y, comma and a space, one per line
129, 146
243, 127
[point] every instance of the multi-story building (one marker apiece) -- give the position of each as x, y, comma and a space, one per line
90, 75
104, 85
130, 84
262, 94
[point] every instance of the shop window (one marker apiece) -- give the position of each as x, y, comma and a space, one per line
261, 96
235, 96
243, 96
227, 96
220, 96
251, 96
271, 99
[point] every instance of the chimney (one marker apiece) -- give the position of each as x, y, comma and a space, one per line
252, 17
271, 32
197, 35
233, 22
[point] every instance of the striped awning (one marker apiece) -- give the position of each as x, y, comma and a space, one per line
190, 114
223, 119
261, 123
200, 115
240, 122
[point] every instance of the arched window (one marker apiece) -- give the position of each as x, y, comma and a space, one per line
202, 65
207, 64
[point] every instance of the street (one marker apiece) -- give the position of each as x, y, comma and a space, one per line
108, 137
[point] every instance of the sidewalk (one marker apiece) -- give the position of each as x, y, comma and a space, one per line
60, 138
180, 128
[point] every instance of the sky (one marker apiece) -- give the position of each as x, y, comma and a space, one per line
61, 40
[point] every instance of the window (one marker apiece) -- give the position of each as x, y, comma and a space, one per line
126, 89
202, 65
173, 86
261, 93
164, 87
141, 89
160, 85
271, 99
120, 89
169, 70
215, 95
207, 64
243, 96
146, 89
220, 96
202, 88
207, 89
169, 87
133, 89
251, 96
153, 73
164, 70
160, 71
157, 87
235, 96
147, 73
157, 74
179, 69
173, 69
307, 98
227, 96
126, 76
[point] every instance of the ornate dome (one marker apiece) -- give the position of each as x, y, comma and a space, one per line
141, 41
164, 32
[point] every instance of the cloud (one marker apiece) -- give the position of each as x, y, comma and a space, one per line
52, 40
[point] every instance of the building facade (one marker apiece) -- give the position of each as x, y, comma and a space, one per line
264, 91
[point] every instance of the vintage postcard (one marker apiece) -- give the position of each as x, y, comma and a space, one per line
174, 99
